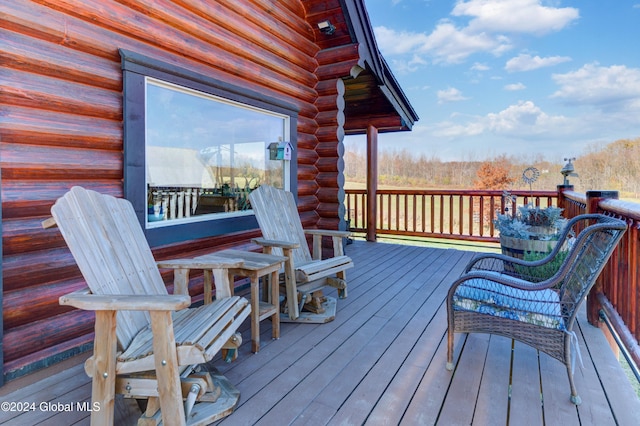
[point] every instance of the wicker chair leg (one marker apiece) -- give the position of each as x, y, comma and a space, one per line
449, 349
575, 398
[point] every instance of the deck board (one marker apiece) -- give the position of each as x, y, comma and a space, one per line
382, 361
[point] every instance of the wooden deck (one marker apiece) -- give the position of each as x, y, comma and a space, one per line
382, 362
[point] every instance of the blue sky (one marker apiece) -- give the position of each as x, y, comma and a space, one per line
522, 77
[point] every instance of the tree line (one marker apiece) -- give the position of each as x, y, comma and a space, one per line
615, 166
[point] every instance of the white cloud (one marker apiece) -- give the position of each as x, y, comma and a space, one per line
515, 86
392, 42
450, 95
608, 88
525, 62
480, 67
522, 120
449, 44
446, 44
487, 31
515, 16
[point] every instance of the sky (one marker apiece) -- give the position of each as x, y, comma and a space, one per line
530, 78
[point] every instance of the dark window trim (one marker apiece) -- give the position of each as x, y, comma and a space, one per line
135, 68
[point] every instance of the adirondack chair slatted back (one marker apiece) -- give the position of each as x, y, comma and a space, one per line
107, 243
278, 217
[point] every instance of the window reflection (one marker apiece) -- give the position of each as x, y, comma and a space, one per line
204, 154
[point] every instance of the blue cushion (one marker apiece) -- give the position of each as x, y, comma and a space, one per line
540, 307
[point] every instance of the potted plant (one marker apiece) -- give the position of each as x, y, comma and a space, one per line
532, 229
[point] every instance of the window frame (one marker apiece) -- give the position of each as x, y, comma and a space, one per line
136, 68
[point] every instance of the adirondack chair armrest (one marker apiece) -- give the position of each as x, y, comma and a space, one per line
211, 263
217, 265
84, 299
336, 237
328, 233
275, 243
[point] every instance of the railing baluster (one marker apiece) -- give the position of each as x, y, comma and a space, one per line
451, 214
424, 212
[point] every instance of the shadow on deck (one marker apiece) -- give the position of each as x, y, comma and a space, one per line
382, 362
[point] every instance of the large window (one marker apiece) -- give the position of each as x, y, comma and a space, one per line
195, 148
205, 154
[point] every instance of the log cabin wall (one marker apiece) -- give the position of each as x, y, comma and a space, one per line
62, 125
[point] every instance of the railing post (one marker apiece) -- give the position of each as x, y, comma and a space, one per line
593, 306
372, 181
562, 201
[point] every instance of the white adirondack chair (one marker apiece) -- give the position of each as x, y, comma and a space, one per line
304, 275
146, 342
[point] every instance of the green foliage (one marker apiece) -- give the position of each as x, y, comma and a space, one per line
543, 272
530, 216
536, 216
511, 227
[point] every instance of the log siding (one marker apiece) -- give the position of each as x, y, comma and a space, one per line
62, 125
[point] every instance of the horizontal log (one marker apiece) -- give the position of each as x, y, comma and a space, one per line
307, 142
331, 149
278, 17
328, 195
58, 62
328, 210
42, 92
330, 103
328, 223
331, 87
307, 203
357, 125
341, 37
57, 28
53, 163
332, 118
309, 219
330, 134
307, 187
307, 125
307, 172
23, 198
47, 356
307, 157
34, 336
54, 128
27, 235
327, 164
327, 180
347, 53
33, 269
267, 16
30, 304
320, 8
336, 70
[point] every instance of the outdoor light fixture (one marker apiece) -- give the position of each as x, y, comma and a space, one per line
326, 27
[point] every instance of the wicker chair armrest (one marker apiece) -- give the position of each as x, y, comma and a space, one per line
508, 281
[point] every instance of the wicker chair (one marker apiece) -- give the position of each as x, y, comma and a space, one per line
534, 302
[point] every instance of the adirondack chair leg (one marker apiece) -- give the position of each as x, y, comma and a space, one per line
291, 288
102, 368
149, 418
340, 283
166, 363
